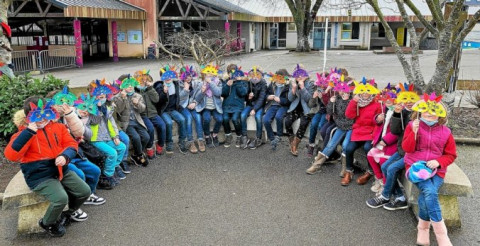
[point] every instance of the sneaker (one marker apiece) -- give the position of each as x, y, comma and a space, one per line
94, 200
150, 153
192, 147
119, 173
396, 204
55, 230
125, 167
139, 160
244, 142
255, 143
274, 143
104, 183
65, 219
201, 145
169, 149
310, 149
377, 202
216, 143
115, 180
377, 185
209, 142
79, 215
182, 145
238, 141
228, 140
159, 149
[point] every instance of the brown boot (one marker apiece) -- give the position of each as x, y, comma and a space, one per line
347, 178
290, 140
364, 178
193, 149
294, 147
201, 145
344, 165
319, 160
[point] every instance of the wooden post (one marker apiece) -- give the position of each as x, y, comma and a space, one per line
77, 32
114, 41
239, 35
227, 36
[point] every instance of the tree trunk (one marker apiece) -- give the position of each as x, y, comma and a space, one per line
302, 37
5, 53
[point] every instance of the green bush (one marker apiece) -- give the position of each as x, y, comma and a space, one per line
13, 92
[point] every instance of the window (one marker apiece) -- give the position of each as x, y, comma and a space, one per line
291, 27
378, 31
350, 30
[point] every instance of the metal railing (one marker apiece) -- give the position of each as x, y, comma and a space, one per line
34, 60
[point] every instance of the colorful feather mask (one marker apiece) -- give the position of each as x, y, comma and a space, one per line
168, 72
407, 94
142, 76
210, 69
278, 78
64, 97
387, 95
188, 72
100, 87
322, 80
345, 87
299, 72
364, 87
255, 73
87, 103
42, 111
129, 82
237, 73
431, 104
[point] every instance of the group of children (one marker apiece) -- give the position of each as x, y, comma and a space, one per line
60, 135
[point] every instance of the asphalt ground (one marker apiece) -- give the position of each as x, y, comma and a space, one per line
228, 196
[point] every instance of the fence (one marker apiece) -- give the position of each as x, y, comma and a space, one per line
34, 60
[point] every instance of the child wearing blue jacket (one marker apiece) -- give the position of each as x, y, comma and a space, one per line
257, 88
234, 91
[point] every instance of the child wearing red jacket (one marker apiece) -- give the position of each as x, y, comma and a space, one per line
363, 109
428, 139
44, 148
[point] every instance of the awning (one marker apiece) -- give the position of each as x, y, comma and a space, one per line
104, 9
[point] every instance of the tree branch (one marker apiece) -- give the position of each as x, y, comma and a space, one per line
436, 14
420, 17
461, 36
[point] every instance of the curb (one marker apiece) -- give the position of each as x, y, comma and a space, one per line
467, 141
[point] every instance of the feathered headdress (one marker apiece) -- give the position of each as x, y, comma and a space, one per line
210, 69
255, 73
237, 73
168, 73
322, 80
431, 104
129, 82
299, 72
387, 95
187, 72
345, 87
406, 94
334, 74
64, 96
42, 111
102, 87
87, 103
278, 78
364, 87
140, 75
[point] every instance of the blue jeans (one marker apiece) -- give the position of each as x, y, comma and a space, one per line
333, 142
318, 121
150, 130
428, 204
391, 169
207, 117
168, 118
325, 130
125, 140
278, 113
159, 124
346, 140
351, 147
192, 115
235, 117
89, 172
258, 119
139, 137
114, 155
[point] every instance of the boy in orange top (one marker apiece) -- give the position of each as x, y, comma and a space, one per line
44, 148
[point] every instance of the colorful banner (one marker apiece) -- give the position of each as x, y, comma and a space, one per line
77, 32
114, 41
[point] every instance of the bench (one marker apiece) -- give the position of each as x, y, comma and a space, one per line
31, 206
456, 184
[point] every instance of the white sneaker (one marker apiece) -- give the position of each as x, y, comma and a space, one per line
79, 215
377, 185
94, 200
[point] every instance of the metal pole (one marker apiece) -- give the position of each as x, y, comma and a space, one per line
325, 45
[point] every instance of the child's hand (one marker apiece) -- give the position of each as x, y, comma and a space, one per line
315, 94
333, 99
382, 143
204, 88
277, 99
165, 89
135, 100
32, 126
191, 106
250, 96
230, 82
301, 84
415, 125
380, 118
60, 161
356, 98
252, 113
116, 141
66, 109
123, 94
148, 84
271, 97
433, 164
398, 108
186, 86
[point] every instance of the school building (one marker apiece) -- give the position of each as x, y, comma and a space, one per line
111, 29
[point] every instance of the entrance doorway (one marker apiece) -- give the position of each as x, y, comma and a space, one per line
278, 35
319, 36
95, 39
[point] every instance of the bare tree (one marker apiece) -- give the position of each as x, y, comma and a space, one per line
5, 49
304, 13
204, 47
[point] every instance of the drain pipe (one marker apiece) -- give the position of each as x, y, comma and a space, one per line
144, 39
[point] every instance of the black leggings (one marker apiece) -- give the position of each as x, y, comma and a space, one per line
291, 117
